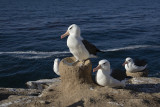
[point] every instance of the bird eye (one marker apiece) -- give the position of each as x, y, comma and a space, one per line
104, 63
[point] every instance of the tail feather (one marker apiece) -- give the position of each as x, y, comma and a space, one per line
117, 83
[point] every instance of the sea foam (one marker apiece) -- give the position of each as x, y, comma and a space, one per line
42, 55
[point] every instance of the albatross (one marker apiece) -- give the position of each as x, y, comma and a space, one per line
134, 66
56, 66
79, 47
106, 77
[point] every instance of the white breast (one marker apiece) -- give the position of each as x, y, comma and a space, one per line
77, 48
101, 78
104, 79
128, 67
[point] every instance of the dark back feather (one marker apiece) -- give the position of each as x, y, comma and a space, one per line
139, 62
118, 74
92, 49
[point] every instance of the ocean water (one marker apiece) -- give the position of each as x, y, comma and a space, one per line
30, 33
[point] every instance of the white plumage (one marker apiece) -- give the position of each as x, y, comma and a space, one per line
131, 66
103, 76
80, 48
56, 66
77, 48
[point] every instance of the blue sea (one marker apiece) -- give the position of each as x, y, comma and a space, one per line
30, 33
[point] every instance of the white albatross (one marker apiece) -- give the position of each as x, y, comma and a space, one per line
134, 66
104, 75
80, 48
56, 66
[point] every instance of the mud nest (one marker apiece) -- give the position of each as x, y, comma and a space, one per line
77, 74
143, 73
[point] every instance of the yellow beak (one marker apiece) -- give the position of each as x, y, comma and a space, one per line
97, 68
65, 34
124, 63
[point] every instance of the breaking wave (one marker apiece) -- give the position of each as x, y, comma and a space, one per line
132, 48
41, 55
33, 54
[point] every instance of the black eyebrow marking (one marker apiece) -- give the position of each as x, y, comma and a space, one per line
70, 28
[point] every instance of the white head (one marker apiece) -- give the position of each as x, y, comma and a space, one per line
104, 65
73, 30
128, 60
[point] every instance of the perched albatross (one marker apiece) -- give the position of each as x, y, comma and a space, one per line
80, 48
134, 66
106, 77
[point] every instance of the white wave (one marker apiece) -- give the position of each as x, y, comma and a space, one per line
41, 55
32, 57
33, 54
131, 48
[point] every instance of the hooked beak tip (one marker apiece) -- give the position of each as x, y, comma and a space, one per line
124, 63
62, 37
97, 68
65, 34
93, 70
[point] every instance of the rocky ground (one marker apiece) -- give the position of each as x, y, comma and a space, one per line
141, 91
71, 90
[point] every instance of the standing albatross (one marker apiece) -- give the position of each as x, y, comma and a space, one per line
80, 48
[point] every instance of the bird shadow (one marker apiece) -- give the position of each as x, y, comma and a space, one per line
77, 104
4, 96
146, 88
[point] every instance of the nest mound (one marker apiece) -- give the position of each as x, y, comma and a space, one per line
143, 73
75, 74
76, 80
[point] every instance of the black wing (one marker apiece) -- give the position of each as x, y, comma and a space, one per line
92, 49
118, 74
139, 62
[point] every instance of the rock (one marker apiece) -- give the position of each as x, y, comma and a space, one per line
145, 80
140, 92
41, 84
143, 73
5, 93
144, 84
14, 101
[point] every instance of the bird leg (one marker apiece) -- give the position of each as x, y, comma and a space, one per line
83, 62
